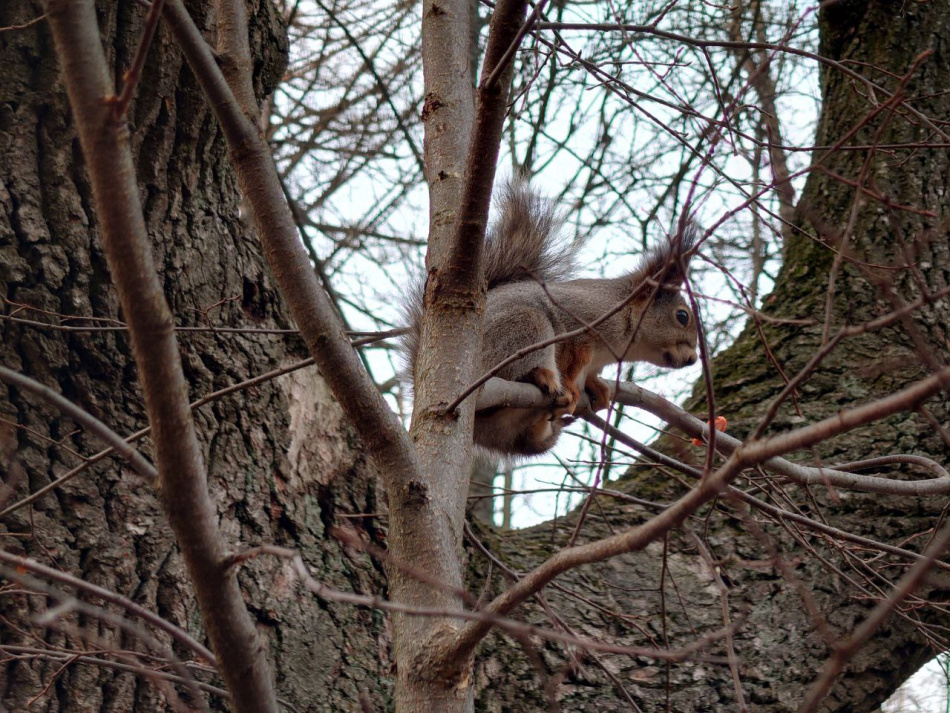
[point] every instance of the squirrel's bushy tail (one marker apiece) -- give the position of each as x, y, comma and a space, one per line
520, 245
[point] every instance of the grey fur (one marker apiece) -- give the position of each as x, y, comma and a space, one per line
520, 246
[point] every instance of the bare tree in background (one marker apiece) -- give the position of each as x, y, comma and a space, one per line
278, 539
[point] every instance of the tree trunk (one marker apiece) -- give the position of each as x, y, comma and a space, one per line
285, 469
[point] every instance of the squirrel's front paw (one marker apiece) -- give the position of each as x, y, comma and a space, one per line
565, 397
598, 391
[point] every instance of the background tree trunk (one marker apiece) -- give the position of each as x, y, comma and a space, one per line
284, 468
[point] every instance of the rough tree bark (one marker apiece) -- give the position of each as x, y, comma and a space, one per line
285, 469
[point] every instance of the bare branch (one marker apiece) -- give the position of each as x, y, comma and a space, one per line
65, 657
86, 420
316, 318
450, 332
752, 501
499, 392
632, 395
68, 604
122, 102
183, 483
745, 455
511, 626
846, 650
177, 633
732, 44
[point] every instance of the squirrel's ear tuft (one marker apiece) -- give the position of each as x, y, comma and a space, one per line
690, 236
669, 261
682, 247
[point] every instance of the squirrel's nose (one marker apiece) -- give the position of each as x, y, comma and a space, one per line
677, 360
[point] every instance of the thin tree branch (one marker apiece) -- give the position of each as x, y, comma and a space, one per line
732, 44
380, 84
107, 595
771, 510
183, 487
846, 650
132, 77
633, 395
746, 455
85, 419
510, 626
67, 657
67, 603
450, 335
379, 429
501, 393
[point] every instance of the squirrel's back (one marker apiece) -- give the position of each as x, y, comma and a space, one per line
520, 245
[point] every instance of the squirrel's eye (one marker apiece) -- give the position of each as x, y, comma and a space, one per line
682, 316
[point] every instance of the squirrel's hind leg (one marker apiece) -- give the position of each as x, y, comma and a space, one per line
517, 431
524, 326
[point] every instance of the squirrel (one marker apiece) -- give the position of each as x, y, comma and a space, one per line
530, 300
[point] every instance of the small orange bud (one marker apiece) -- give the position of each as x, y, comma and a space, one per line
720, 425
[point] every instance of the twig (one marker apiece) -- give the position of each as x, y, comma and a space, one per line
905, 400
502, 65
213, 396
848, 648
499, 392
67, 604
53, 655
85, 419
710, 487
784, 48
107, 595
121, 103
382, 434
724, 600
750, 500
509, 625
23, 26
